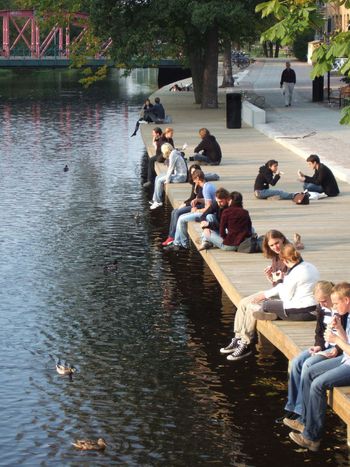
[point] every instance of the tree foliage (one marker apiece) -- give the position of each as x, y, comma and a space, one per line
296, 16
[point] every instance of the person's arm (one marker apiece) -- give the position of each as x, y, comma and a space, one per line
274, 179
339, 338
172, 163
282, 79
294, 78
223, 225
319, 330
200, 147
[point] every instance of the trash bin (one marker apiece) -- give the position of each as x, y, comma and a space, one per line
233, 110
317, 89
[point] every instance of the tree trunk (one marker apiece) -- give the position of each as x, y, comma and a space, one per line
210, 71
196, 65
277, 49
270, 46
227, 65
264, 46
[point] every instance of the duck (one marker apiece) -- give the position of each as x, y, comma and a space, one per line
112, 267
90, 444
66, 168
64, 368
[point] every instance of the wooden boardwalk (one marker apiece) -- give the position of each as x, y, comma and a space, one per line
323, 225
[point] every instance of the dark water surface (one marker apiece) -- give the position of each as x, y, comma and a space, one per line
145, 337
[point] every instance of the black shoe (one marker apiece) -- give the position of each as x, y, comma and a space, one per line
242, 351
134, 134
191, 159
231, 346
290, 415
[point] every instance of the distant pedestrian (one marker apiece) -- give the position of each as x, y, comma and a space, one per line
322, 181
288, 80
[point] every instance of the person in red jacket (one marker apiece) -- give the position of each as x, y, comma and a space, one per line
235, 226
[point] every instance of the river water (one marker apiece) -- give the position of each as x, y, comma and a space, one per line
145, 336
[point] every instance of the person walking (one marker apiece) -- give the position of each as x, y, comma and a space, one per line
288, 80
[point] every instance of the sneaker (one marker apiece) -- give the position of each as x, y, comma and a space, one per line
155, 205
322, 195
288, 414
232, 346
304, 442
241, 351
168, 241
264, 316
147, 184
294, 424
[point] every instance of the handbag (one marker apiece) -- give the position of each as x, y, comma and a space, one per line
301, 198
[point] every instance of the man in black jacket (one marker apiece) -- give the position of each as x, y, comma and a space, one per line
210, 148
322, 181
288, 80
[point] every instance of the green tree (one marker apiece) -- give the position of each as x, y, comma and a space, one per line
294, 17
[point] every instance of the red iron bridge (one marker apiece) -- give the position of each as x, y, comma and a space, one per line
24, 45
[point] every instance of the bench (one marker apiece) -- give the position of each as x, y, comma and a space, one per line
340, 95
291, 338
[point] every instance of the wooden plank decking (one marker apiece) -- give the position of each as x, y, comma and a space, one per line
323, 225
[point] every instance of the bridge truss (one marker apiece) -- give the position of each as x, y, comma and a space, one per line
21, 36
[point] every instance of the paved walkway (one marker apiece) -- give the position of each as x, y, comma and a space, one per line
323, 224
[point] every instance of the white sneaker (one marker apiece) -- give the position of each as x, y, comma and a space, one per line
155, 205
322, 195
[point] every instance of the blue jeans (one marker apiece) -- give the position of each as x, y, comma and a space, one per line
264, 194
181, 236
204, 159
159, 185
175, 214
313, 187
217, 241
299, 365
317, 379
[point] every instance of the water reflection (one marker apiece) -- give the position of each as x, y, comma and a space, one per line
144, 338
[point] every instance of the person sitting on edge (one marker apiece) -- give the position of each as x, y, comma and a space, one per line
185, 207
296, 300
320, 351
235, 226
211, 151
322, 181
146, 109
159, 138
325, 375
176, 173
211, 220
244, 323
157, 113
197, 210
269, 175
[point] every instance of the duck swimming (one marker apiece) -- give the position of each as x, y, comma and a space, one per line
90, 445
112, 267
64, 368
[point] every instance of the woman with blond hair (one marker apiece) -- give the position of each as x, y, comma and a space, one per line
176, 173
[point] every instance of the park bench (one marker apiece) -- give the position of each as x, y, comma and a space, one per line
293, 337
341, 95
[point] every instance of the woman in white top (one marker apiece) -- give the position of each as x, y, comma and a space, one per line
296, 299
176, 173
